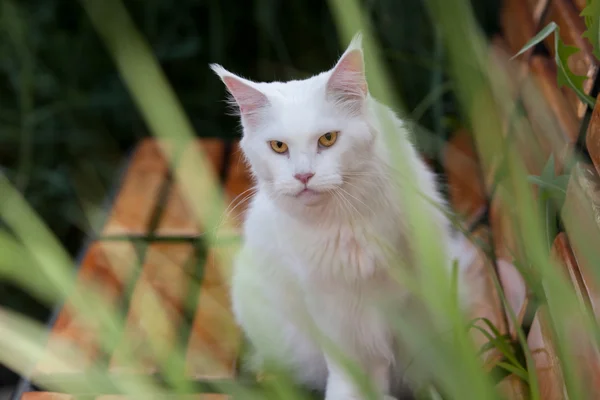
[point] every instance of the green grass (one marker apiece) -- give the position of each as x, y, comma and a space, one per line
33, 258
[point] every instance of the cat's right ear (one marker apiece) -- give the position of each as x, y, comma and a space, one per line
246, 98
347, 83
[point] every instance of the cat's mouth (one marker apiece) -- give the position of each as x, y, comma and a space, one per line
306, 192
309, 197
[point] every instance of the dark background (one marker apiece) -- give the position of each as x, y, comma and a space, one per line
67, 121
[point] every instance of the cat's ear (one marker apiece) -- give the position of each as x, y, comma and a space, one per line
248, 100
347, 83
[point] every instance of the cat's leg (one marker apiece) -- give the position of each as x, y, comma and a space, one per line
269, 312
304, 362
341, 386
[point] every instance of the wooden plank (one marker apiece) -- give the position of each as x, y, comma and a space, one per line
178, 218
139, 191
581, 217
512, 388
500, 53
106, 268
466, 189
547, 365
580, 4
204, 396
588, 84
586, 353
515, 291
528, 135
484, 301
544, 73
592, 140
561, 250
503, 231
156, 309
46, 396
215, 339
516, 19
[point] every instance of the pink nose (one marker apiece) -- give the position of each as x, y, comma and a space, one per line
304, 178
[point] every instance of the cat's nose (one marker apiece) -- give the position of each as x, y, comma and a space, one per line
304, 178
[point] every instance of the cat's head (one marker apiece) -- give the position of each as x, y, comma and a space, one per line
303, 138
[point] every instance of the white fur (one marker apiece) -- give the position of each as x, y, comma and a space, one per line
323, 259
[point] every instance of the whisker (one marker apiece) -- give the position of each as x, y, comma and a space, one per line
231, 209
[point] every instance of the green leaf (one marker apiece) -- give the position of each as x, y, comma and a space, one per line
548, 171
565, 76
562, 181
499, 341
520, 372
592, 20
543, 34
545, 184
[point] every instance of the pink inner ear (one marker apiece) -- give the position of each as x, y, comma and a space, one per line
247, 98
348, 75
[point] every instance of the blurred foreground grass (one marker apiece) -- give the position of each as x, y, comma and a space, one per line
34, 259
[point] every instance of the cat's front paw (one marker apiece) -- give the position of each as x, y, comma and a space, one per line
385, 397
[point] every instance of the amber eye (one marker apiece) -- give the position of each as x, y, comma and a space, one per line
328, 139
279, 147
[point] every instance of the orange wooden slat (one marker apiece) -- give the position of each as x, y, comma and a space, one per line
515, 291
467, 193
547, 365
178, 218
562, 251
107, 268
215, 339
544, 73
156, 309
527, 135
588, 84
483, 301
516, 19
513, 388
580, 4
579, 254
587, 356
500, 54
592, 140
139, 192
46, 396
207, 396
506, 247
503, 230
581, 216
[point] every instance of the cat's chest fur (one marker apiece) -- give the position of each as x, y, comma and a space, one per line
346, 251
342, 250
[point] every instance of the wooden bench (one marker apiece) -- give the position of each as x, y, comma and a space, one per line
149, 263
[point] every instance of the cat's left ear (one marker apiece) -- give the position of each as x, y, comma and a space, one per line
347, 83
249, 100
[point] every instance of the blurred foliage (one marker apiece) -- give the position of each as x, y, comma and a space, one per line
67, 121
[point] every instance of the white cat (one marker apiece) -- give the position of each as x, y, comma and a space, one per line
318, 230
